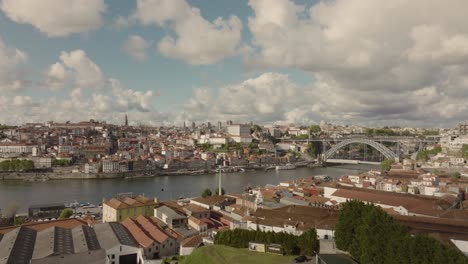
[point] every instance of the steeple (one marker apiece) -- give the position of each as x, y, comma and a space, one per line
126, 120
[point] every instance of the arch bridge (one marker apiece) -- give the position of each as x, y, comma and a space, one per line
386, 152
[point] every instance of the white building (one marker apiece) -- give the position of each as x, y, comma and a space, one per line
16, 148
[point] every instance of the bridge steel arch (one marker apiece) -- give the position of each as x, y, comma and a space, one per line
389, 154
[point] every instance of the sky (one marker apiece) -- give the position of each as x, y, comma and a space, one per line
163, 62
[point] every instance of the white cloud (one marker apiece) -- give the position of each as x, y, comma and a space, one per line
129, 99
85, 72
136, 46
56, 18
371, 59
23, 101
56, 77
101, 94
267, 98
194, 40
12, 78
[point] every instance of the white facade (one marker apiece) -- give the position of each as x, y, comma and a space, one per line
218, 140
16, 148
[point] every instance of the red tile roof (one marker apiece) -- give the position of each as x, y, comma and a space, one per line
140, 236
151, 229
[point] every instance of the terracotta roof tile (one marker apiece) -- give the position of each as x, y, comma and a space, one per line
151, 229
140, 236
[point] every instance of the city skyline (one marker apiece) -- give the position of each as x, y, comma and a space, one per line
164, 62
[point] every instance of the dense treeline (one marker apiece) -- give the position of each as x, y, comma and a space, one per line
305, 244
60, 163
386, 132
425, 154
16, 165
371, 236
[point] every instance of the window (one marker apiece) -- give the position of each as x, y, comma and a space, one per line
164, 246
112, 256
170, 244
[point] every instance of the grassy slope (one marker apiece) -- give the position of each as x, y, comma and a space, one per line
229, 255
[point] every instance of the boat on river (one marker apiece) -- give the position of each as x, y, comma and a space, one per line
286, 167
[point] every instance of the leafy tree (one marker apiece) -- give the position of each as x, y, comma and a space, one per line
425, 154
371, 236
311, 150
20, 220
16, 165
386, 165
465, 151
314, 129
66, 213
456, 175
308, 243
206, 193
60, 163
305, 244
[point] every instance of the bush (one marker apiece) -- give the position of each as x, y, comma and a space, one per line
305, 244
206, 193
66, 213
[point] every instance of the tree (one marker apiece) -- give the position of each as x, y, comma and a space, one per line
311, 150
314, 129
206, 193
371, 236
20, 220
308, 243
66, 213
456, 175
222, 191
386, 165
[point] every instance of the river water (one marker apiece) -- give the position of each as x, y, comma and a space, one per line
24, 194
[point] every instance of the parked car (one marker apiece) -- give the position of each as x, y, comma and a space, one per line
300, 259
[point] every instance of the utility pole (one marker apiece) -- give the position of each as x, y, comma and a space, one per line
219, 187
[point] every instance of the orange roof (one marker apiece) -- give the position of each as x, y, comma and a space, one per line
194, 241
151, 229
127, 202
137, 233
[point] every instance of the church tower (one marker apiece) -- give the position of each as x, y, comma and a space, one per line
126, 120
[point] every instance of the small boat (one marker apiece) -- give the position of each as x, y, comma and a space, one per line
286, 167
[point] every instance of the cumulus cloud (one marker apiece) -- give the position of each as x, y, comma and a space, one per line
366, 64
56, 18
269, 97
23, 101
194, 39
12, 77
91, 94
86, 73
56, 76
135, 46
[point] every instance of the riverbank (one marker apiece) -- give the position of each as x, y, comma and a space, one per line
64, 174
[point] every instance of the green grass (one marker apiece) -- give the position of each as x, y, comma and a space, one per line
229, 255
